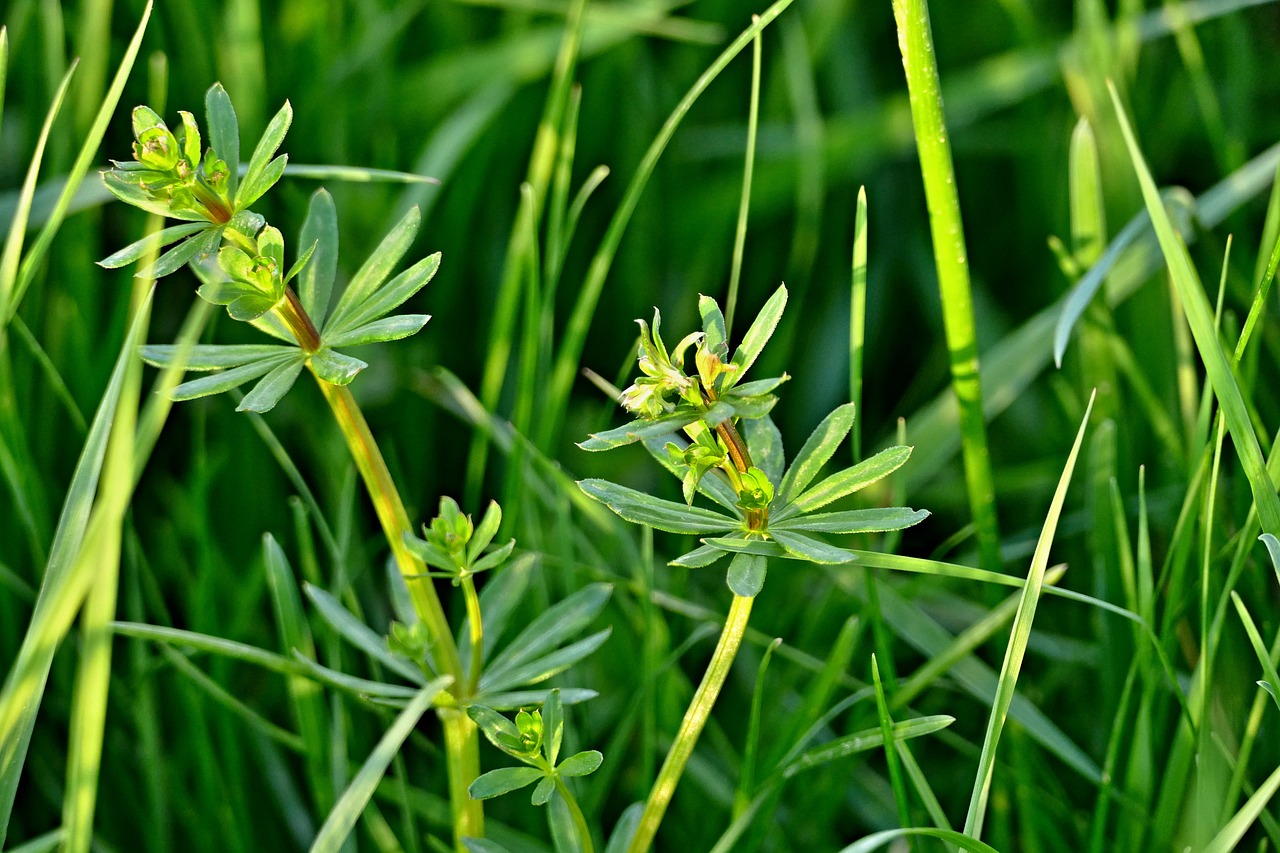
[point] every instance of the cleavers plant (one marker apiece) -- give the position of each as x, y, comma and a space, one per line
766, 510
240, 260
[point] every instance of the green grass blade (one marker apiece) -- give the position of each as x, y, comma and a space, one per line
1225, 841
951, 257
1192, 296
1021, 634
337, 827
880, 839
31, 263
1259, 647
858, 317
744, 203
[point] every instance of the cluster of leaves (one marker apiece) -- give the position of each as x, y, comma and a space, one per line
534, 739
764, 510
241, 259
458, 549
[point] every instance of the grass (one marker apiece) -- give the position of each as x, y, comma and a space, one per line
596, 160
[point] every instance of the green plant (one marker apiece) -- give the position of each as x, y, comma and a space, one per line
766, 510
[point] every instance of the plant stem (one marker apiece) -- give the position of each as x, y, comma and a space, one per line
695, 718
477, 631
579, 820
461, 743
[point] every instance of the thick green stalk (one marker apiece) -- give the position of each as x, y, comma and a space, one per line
951, 257
695, 718
461, 742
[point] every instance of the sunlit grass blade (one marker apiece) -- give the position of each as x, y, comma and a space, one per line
744, 204
1021, 634
858, 317
881, 839
337, 827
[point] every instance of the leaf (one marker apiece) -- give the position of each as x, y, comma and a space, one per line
581, 764
740, 545
315, 282
542, 793
639, 430
212, 356
272, 387
878, 520
1273, 549
504, 780
483, 845
210, 644
359, 634
173, 260
362, 687
862, 741
387, 329
376, 269
1259, 647
251, 191
544, 667
484, 531
150, 243
250, 307
552, 627
746, 574
765, 442
497, 729
879, 839
713, 326
625, 829
336, 368
552, 727
267, 146
714, 485
817, 451
807, 548
510, 700
228, 379
756, 388
760, 332
698, 558
224, 131
337, 827
641, 508
393, 294
848, 481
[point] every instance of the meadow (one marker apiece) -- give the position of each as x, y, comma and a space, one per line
956, 334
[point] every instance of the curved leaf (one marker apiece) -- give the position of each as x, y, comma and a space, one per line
817, 451
315, 282
761, 330
504, 780
808, 548
878, 520
638, 430
581, 764
228, 379
272, 387
746, 574
376, 269
336, 368
212, 356
848, 481
150, 243
641, 508
386, 329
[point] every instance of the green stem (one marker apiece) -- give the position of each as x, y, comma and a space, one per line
461, 743
477, 632
951, 257
695, 718
579, 820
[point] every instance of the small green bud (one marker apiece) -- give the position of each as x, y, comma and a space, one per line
756, 492
409, 641
529, 724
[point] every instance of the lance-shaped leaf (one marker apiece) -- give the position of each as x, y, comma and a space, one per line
878, 520
212, 356
746, 574
150, 243
336, 368
760, 332
846, 482
699, 558
511, 700
504, 780
375, 270
817, 451
713, 325
715, 485
581, 764
807, 548
387, 329
359, 634
224, 130
193, 249
497, 729
260, 162
547, 666
765, 441
552, 727
641, 508
640, 430
744, 545
390, 296
315, 282
555, 625
360, 687
272, 387
228, 379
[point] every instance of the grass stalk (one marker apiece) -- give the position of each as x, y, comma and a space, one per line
915, 40
695, 718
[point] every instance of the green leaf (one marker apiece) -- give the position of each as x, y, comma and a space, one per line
361, 687
315, 282
715, 485
176, 258
1259, 647
336, 368
359, 634
392, 295
757, 388
641, 508
224, 131
765, 441
547, 666
228, 379
698, 558
1273, 549
879, 839
511, 700
740, 545
483, 845
543, 792
252, 191
337, 827
846, 482
760, 332
625, 829
808, 548
484, 531
376, 269
555, 625
504, 780
387, 329
817, 451
301, 263
639, 430
125, 187
150, 243
272, 387
266, 148
249, 307
230, 649
746, 574
581, 764
713, 325
552, 727
212, 356
862, 741
878, 520
497, 729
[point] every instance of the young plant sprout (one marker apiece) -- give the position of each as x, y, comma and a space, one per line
764, 510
